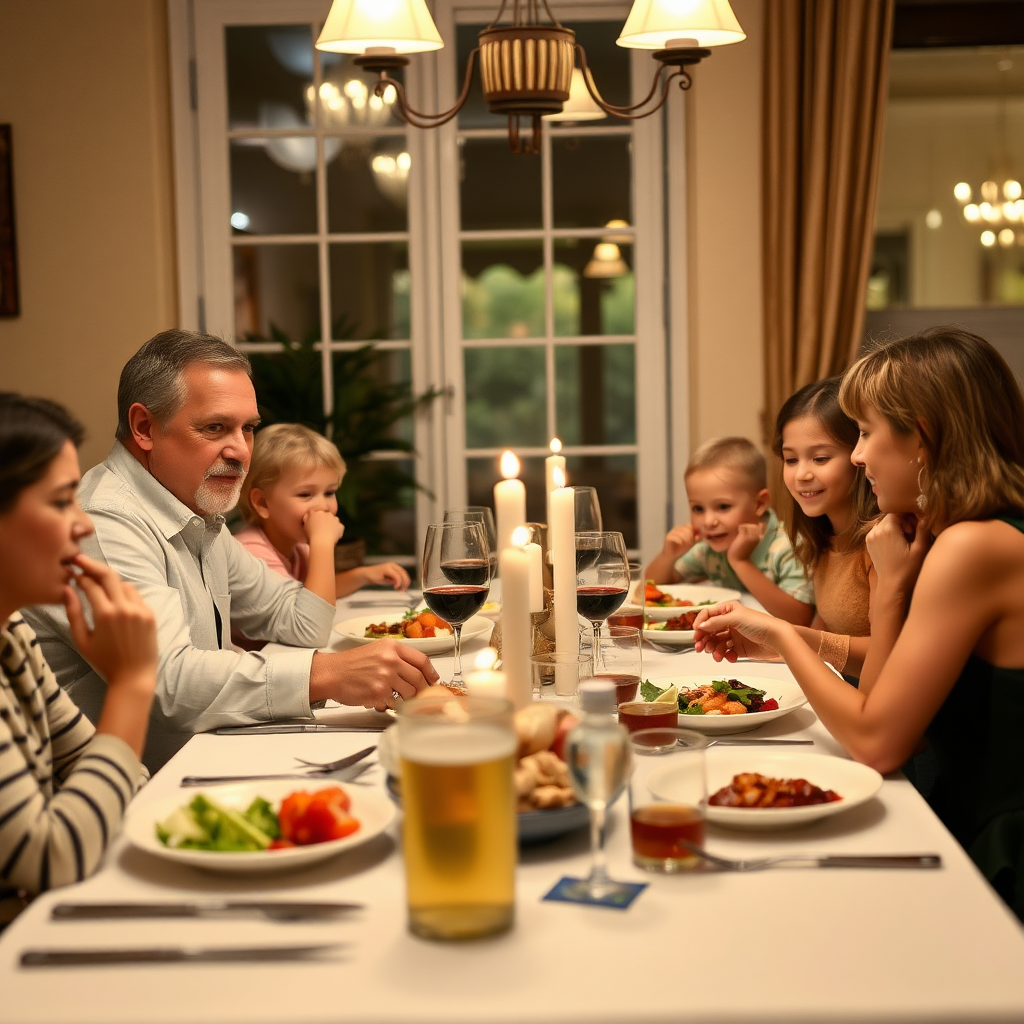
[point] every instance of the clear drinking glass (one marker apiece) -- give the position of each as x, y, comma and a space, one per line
588, 510
456, 575
483, 515
558, 673
458, 797
618, 650
667, 799
602, 579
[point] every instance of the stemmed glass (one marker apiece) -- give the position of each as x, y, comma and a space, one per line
588, 510
456, 574
483, 515
602, 579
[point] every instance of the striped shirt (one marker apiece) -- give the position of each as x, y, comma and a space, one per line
63, 788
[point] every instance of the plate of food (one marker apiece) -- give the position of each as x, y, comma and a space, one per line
259, 826
664, 602
724, 703
421, 630
677, 631
769, 789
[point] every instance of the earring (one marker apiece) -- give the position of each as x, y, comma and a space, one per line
922, 501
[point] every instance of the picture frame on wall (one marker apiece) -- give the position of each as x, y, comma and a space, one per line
9, 305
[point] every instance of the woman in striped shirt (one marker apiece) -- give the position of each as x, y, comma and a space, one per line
64, 785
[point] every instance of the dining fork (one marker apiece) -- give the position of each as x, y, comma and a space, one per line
819, 860
349, 774
671, 648
342, 762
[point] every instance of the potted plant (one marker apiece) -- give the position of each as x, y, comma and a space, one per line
371, 414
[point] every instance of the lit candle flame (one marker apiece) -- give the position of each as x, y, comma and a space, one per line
555, 446
509, 465
520, 537
558, 475
486, 659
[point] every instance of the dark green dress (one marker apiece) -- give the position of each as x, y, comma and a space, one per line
978, 738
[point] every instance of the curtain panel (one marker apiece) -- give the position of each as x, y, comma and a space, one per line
826, 76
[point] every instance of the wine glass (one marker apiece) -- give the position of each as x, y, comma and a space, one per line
588, 510
483, 515
602, 579
456, 574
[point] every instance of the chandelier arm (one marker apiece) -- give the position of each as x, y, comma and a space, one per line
626, 112
554, 20
417, 118
501, 11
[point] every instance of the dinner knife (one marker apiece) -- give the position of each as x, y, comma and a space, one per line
169, 955
761, 743
276, 910
272, 729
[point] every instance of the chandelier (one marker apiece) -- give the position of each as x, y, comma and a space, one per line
1000, 212
528, 65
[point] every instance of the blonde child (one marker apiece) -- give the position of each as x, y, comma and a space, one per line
288, 499
833, 511
734, 538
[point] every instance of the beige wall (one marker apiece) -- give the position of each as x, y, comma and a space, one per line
84, 84
724, 157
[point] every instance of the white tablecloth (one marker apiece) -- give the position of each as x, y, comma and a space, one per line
783, 945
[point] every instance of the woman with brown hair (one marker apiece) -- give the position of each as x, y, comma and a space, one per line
940, 418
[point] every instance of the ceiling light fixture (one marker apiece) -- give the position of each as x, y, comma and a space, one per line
527, 65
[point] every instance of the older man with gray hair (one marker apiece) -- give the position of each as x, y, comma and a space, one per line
186, 419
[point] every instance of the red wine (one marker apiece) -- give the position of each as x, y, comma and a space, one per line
466, 572
455, 604
597, 603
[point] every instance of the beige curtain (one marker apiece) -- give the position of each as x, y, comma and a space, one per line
826, 70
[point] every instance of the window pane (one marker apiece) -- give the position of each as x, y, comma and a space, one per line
614, 476
500, 189
273, 186
270, 69
368, 498
277, 292
370, 388
483, 474
503, 289
367, 184
369, 291
593, 286
506, 397
581, 197
595, 394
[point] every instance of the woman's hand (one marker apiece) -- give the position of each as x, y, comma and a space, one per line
322, 527
729, 631
121, 645
897, 545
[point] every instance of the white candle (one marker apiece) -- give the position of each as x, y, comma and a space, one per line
515, 618
551, 463
536, 578
509, 500
562, 529
483, 680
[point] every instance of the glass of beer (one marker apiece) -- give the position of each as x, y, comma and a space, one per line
459, 836
667, 799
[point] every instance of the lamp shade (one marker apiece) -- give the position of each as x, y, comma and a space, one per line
664, 24
389, 26
580, 106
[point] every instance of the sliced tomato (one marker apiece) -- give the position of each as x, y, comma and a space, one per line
292, 808
281, 844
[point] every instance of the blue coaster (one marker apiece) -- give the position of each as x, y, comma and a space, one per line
620, 899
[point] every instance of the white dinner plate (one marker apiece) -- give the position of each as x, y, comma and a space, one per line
371, 808
698, 593
855, 783
355, 629
785, 691
672, 637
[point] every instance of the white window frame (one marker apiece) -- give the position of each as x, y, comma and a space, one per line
659, 215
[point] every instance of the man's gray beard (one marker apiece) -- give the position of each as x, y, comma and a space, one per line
211, 503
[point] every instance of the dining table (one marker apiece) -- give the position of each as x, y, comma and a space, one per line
790, 944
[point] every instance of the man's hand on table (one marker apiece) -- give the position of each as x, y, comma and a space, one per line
370, 675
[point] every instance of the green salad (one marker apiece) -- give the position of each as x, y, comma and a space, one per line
206, 825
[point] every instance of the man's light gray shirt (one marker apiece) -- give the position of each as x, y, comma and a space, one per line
189, 571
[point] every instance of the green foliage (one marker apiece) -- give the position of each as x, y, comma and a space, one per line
372, 413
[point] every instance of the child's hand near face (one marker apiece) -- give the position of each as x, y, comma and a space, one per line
322, 527
679, 540
377, 575
748, 536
